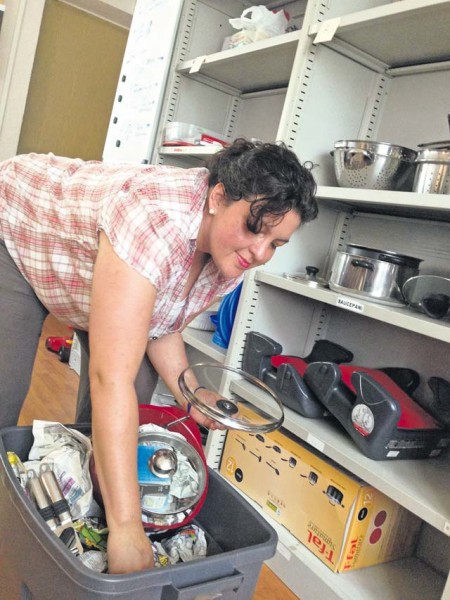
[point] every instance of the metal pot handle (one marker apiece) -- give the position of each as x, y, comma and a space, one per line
355, 159
364, 264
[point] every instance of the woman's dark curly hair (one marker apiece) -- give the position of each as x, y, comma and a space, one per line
268, 175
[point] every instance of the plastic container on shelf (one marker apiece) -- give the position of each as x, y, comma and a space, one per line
36, 565
187, 134
224, 319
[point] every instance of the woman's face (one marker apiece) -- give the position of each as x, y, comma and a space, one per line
231, 245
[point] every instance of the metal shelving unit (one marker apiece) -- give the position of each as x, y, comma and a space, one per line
426, 206
366, 66
380, 32
263, 65
367, 48
202, 341
399, 317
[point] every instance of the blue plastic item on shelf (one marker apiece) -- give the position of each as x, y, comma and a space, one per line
224, 318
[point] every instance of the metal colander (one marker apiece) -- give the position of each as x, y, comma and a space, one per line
373, 165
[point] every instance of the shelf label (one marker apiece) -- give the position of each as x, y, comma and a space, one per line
197, 64
349, 304
327, 29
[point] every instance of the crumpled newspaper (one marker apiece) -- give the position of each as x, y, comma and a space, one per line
188, 543
67, 452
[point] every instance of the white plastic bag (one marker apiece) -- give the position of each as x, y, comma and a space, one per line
256, 23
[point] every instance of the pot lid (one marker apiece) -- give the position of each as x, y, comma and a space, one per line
188, 471
386, 255
309, 276
249, 406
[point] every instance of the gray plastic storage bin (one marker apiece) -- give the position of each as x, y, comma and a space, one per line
35, 565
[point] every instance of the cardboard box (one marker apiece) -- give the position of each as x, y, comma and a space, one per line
345, 522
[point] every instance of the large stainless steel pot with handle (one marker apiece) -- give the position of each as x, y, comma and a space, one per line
376, 275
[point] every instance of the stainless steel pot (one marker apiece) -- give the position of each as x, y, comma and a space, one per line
373, 165
372, 274
432, 172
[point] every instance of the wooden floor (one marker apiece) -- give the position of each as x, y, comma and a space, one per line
52, 397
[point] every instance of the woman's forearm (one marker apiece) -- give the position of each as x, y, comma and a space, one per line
115, 432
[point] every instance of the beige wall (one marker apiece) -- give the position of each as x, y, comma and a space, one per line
73, 82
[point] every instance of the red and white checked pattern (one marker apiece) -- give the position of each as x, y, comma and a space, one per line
51, 209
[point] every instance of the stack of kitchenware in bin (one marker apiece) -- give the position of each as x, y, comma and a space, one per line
37, 564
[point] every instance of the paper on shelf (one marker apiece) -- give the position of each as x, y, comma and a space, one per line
327, 30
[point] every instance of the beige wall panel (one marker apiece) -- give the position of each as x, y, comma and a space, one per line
73, 83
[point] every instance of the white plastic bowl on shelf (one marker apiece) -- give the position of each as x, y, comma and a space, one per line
187, 134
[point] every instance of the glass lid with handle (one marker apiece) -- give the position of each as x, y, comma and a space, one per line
249, 405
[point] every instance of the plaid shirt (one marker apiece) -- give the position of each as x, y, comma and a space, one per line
52, 208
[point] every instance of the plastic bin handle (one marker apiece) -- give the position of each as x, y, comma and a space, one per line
210, 590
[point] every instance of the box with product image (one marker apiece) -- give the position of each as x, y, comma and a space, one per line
345, 522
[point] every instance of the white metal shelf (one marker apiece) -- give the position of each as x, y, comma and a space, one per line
309, 577
401, 33
202, 341
427, 206
400, 317
262, 65
421, 486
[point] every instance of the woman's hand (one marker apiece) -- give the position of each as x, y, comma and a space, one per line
168, 356
210, 398
129, 550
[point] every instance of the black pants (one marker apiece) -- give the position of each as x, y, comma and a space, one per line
21, 318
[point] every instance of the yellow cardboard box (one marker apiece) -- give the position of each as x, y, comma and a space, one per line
345, 522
